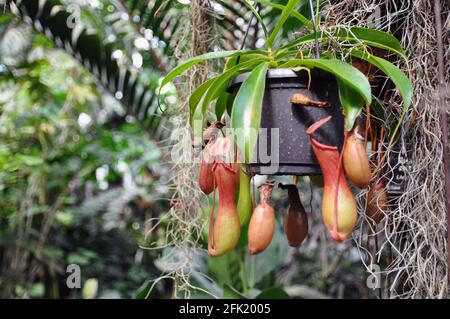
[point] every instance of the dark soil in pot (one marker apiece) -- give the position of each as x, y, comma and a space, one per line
295, 155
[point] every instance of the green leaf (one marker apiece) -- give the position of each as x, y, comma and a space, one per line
295, 14
397, 76
230, 103
377, 107
201, 58
197, 120
288, 9
143, 291
257, 267
286, 55
273, 293
79, 259
400, 80
375, 38
343, 71
222, 268
64, 218
352, 102
198, 93
29, 160
6, 18
221, 104
37, 290
215, 88
220, 83
231, 293
52, 253
246, 113
243, 239
208, 288
232, 61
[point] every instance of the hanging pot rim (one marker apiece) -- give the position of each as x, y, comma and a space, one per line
284, 73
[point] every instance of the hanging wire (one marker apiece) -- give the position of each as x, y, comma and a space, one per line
313, 19
247, 32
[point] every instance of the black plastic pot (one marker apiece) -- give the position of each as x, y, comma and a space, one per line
295, 153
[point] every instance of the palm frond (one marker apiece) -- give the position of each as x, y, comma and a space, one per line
135, 91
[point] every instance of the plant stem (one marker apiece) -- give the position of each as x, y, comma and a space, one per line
317, 14
443, 116
243, 272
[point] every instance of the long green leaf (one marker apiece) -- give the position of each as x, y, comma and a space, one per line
341, 70
258, 267
288, 9
273, 293
246, 113
230, 103
352, 102
222, 269
214, 88
378, 39
295, 14
375, 38
197, 120
233, 61
201, 58
143, 291
401, 81
397, 76
231, 293
284, 56
221, 104
198, 93
220, 83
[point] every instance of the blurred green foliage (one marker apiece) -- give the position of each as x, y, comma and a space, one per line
64, 146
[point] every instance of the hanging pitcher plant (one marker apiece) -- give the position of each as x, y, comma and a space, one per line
354, 87
244, 107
